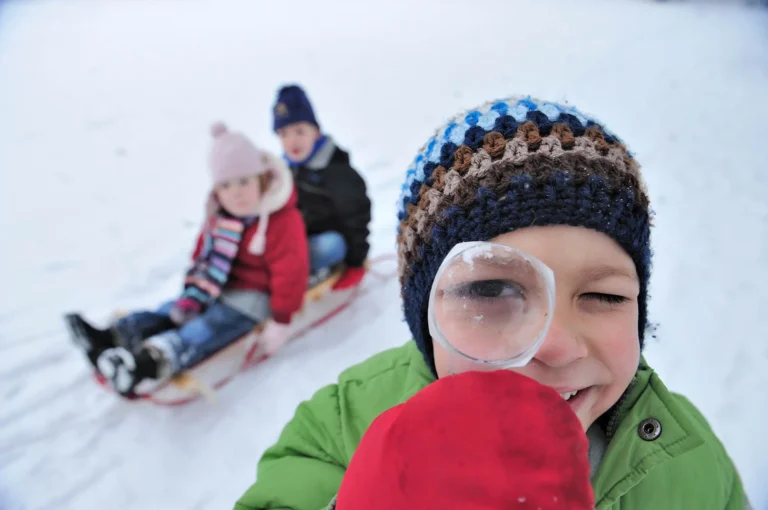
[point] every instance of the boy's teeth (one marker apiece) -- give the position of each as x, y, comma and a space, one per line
567, 396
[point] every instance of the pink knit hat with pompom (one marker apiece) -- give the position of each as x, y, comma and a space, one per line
233, 156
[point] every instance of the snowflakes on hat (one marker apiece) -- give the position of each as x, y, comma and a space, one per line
469, 128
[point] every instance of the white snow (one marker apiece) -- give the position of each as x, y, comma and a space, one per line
104, 114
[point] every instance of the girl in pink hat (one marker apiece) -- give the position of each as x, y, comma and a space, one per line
250, 266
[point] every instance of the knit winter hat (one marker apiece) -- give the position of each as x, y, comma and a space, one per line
476, 440
292, 106
233, 156
511, 164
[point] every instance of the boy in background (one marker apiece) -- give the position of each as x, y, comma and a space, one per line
332, 195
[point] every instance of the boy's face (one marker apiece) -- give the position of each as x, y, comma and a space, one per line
592, 344
298, 140
240, 197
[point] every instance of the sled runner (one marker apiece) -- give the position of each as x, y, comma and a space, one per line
321, 304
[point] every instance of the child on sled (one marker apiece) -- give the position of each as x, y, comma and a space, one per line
250, 267
332, 195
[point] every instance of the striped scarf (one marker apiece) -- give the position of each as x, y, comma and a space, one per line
210, 272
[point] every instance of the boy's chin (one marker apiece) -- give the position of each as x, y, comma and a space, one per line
592, 405
586, 421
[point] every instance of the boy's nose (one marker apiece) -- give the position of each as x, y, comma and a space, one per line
561, 346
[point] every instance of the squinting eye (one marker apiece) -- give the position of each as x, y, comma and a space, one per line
224, 185
610, 299
244, 181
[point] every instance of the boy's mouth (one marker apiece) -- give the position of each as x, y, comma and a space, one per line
573, 397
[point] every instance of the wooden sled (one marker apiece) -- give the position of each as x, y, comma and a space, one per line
321, 303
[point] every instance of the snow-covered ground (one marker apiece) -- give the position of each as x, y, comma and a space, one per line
104, 114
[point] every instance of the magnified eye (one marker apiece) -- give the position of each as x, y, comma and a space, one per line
491, 304
486, 290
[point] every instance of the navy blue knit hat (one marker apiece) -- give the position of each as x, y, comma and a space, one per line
292, 106
511, 164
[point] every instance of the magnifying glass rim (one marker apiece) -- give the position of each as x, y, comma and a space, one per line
526, 356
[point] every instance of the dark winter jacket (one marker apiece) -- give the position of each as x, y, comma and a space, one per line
332, 197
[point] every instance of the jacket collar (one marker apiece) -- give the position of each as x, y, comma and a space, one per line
631, 454
322, 156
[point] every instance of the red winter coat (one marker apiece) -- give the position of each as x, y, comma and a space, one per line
282, 271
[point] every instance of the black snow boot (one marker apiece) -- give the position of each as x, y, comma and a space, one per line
92, 340
124, 370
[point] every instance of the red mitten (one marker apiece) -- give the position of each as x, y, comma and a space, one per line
476, 440
351, 277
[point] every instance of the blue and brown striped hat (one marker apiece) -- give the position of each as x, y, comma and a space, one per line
510, 164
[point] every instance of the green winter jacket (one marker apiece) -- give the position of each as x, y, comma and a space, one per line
686, 467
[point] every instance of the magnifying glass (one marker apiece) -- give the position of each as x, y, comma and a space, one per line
491, 305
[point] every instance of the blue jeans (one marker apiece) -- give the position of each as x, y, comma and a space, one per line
194, 341
326, 250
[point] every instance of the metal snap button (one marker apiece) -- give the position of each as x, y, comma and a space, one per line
649, 429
